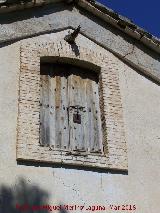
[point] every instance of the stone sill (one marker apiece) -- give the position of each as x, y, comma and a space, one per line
47, 155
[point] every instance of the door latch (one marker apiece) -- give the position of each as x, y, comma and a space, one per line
77, 118
76, 115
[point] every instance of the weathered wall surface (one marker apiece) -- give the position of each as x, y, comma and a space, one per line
141, 98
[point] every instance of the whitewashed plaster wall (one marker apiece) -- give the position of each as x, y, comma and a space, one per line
141, 101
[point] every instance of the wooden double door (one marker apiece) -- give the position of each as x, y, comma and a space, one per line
70, 111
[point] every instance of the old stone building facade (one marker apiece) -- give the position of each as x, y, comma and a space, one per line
79, 116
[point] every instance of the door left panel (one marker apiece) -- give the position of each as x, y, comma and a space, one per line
54, 104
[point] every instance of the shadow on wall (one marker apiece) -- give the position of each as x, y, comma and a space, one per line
24, 197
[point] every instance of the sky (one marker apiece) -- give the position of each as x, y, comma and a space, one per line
144, 13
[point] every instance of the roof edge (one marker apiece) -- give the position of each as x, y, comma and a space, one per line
99, 10
122, 23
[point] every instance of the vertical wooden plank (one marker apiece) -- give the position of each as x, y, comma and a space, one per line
44, 111
93, 126
90, 127
58, 112
97, 145
85, 118
71, 102
64, 113
52, 110
61, 105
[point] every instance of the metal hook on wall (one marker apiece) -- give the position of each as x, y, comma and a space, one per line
70, 38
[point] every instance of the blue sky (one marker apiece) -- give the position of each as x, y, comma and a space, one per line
144, 13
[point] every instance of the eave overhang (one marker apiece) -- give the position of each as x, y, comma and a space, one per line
99, 10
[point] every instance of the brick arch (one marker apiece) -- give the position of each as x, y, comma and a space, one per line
71, 61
